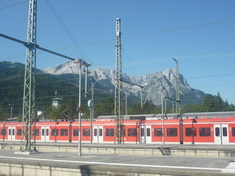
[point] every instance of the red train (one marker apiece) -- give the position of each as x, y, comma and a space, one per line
188, 128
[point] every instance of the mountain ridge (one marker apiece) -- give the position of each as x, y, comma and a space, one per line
155, 84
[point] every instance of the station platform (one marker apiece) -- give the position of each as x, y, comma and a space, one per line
67, 163
192, 150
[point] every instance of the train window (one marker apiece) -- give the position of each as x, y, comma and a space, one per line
95, 132
157, 132
148, 131
217, 133
36, 132
75, 132
142, 132
233, 131
233, 116
63, 132
3, 131
205, 131
100, 132
132, 132
171, 131
9, 132
19, 132
224, 131
54, 132
86, 132
109, 132
123, 132
43, 132
190, 131
210, 117
223, 117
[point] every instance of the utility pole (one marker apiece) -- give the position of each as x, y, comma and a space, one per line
126, 104
163, 129
28, 142
80, 63
86, 79
80, 111
79, 107
11, 109
177, 87
118, 120
91, 105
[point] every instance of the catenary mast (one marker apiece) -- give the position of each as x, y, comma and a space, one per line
177, 87
119, 121
29, 132
28, 141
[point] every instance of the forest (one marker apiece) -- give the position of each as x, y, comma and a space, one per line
68, 110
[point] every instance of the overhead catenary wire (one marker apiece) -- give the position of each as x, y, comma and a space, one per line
68, 32
13, 5
130, 65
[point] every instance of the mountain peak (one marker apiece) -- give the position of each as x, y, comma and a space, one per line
153, 82
67, 67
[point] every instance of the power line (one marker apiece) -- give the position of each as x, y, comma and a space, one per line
132, 68
107, 10
181, 28
12, 5
211, 76
217, 85
68, 31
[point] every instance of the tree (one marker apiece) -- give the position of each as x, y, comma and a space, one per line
210, 103
2, 115
105, 107
213, 103
196, 107
69, 110
148, 108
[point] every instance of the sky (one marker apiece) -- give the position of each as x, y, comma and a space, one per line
198, 33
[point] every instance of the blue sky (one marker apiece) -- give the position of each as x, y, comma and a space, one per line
198, 33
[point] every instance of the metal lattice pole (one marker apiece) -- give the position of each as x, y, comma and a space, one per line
177, 87
119, 121
28, 142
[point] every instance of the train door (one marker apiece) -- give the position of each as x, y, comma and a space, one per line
45, 134
221, 134
145, 134
11, 133
98, 134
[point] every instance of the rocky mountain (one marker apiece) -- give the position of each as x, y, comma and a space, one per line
155, 84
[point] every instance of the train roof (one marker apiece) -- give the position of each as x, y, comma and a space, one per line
127, 117
171, 115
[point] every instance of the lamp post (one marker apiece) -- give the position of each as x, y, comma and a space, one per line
79, 114
11, 109
163, 139
79, 108
91, 105
78, 61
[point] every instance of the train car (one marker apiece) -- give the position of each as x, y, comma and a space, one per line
188, 128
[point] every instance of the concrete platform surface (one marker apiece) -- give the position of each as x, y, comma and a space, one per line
184, 150
161, 165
